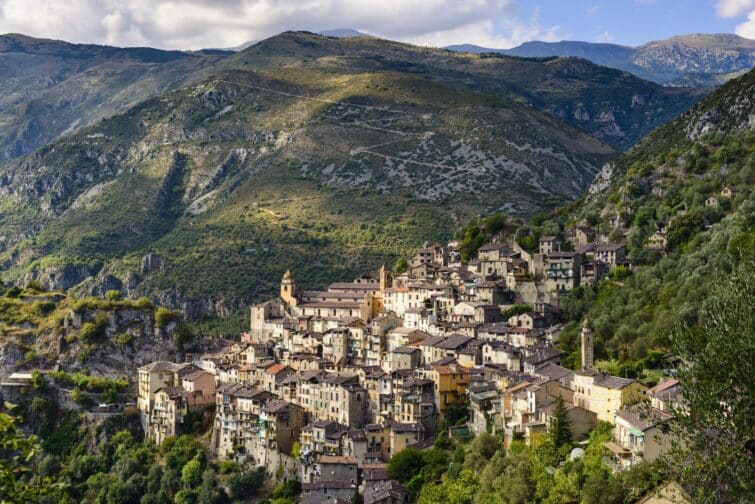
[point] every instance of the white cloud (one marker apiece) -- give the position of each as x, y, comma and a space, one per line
591, 11
508, 32
605, 37
747, 29
734, 8
193, 24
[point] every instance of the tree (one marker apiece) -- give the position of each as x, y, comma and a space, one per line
712, 453
406, 464
400, 266
559, 430
683, 228
210, 492
19, 482
183, 334
191, 474
154, 476
481, 449
179, 451
246, 484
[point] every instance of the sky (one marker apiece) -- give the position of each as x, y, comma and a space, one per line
196, 24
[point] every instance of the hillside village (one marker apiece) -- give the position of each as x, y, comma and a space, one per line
327, 386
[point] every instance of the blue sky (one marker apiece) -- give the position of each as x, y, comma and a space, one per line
628, 22
195, 24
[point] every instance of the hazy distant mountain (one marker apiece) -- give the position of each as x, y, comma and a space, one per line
50, 88
693, 60
344, 33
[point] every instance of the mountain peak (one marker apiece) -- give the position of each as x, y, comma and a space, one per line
344, 33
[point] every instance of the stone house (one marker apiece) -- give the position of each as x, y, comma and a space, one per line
548, 245
583, 235
337, 468
610, 253
280, 425
562, 270
403, 435
643, 431
406, 357
657, 241
582, 420
450, 385
322, 491
385, 492
604, 394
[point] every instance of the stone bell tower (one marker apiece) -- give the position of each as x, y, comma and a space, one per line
587, 346
383, 279
288, 289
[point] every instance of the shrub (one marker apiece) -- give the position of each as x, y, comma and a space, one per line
183, 334
38, 380
13, 292
90, 332
619, 273
81, 397
516, 309
42, 308
113, 295
164, 316
143, 303
124, 339
228, 467
35, 285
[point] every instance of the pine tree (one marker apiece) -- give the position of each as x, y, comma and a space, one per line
560, 425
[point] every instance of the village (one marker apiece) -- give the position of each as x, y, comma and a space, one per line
327, 386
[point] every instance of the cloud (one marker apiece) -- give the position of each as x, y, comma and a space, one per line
194, 24
605, 37
734, 8
747, 29
592, 10
504, 34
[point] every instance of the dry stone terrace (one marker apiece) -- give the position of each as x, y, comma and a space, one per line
328, 385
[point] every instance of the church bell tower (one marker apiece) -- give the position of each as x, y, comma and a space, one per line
288, 289
587, 346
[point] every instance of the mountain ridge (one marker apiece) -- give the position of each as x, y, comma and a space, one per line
663, 61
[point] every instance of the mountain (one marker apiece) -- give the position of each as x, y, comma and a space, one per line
610, 55
344, 33
328, 156
697, 60
612, 106
50, 88
689, 183
254, 171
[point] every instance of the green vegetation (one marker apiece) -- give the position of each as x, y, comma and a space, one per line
20, 482
634, 312
482, 471
87, 382
111, 462
480, 231
515, 310
714, 426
